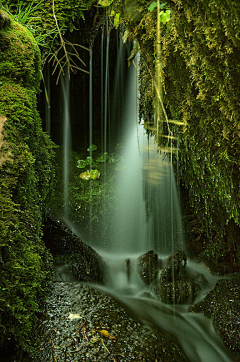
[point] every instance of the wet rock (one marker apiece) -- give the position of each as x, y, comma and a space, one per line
175, 267
174, 285
222, 304
179, 292
148, 266
128, 268
70, 251
83, 324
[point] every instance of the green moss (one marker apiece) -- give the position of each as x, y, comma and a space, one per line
20, 57
25, 181
68, 12
200, 75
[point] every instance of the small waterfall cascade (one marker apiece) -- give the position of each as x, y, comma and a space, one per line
146, 213
90, 129
65, 85
147, 216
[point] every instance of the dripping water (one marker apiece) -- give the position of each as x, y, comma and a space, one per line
147, 215
90, 132
65, 83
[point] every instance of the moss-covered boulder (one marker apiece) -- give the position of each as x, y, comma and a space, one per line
25, 180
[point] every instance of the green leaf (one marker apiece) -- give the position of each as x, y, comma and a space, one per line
103, 157
117, 20
85, 175
88, 160
94, 174
154, 4
165, 16
113, 158
81, 164
105, 2
92, 148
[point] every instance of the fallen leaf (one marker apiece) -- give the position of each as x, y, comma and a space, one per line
105, 333
74, 316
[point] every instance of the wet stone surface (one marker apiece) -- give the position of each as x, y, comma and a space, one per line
83, 324
222, 304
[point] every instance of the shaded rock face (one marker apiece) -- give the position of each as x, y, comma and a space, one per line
148, 267
74, 259
222, 304
26, 175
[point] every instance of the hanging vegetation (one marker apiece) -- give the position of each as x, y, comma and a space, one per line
197, 53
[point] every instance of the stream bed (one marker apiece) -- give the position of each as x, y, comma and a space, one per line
85, 324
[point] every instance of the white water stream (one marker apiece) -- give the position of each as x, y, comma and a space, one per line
65, 84
147, 217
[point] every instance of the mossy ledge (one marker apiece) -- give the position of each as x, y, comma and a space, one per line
26, 175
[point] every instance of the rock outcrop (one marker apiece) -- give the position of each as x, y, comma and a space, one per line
222, 304
71, 254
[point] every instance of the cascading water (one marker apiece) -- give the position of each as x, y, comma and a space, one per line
65, 83
146, 216
147, 213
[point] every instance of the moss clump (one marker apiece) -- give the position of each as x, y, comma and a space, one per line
68, 12
25, 179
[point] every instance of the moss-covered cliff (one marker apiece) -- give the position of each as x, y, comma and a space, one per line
192, 61
25, 179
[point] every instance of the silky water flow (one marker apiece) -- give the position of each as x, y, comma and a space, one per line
147, 216
65, 84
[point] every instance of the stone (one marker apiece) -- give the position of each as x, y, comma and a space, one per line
174, 286
69, 250
222, 305
148, 266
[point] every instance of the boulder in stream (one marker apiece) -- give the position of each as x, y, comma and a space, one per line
148, 266
174, 286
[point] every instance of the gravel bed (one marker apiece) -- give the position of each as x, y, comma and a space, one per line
83, 324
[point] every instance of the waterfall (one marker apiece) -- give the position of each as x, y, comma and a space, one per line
146, 214
65, 83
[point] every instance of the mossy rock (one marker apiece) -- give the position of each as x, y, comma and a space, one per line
25, 180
